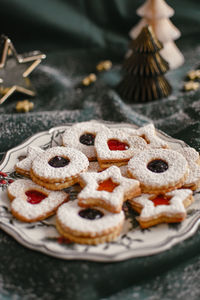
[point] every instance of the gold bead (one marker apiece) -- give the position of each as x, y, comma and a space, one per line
86, 81
194, 74
24, 106
89, 79
104, 65
191, 86
92, 77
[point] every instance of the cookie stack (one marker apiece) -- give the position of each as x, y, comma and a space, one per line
112, 165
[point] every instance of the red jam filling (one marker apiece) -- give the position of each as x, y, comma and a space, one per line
161, 200
107, 185
117, 145
35, 197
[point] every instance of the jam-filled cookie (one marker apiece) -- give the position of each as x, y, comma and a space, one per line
82, 136
23, 167
88, 225
158, 170
168, 208
107, 189
31, 202
192, 156
116, 147
149, 134
58, 167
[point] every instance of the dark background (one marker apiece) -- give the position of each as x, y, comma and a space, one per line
75, 35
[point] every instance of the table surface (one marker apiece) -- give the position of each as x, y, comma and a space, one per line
72, 53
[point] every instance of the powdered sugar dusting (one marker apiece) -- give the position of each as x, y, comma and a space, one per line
114, 198
78, 163
26, 163
20, 205
71, 136
104, 153
175, 206
192, 156
68, 215
177, 168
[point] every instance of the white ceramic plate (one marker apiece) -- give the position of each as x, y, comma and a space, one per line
133, 242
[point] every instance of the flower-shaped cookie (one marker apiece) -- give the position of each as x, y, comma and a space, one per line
168, 208
30, 202
107, 189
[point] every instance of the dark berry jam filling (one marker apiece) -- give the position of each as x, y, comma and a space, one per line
35, 197
58, 162
87, 139
117, 145
91, 214
107, 185
157, 166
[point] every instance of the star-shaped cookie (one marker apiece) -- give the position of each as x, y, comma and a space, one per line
15, 69
107, 189
156, 209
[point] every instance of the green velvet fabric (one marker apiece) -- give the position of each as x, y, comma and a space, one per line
76, 35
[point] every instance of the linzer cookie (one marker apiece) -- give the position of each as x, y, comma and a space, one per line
23, 167
82, 136
158, 170
88, 225
149, 134
58, 167
157, 209
107, 189
31, 202
116, 147
192, 156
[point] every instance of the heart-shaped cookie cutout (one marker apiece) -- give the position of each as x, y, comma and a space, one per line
31, 202
116, 146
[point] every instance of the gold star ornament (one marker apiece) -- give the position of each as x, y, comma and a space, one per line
15, 69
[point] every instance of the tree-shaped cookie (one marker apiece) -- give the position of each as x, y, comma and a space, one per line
144, 80
157, 13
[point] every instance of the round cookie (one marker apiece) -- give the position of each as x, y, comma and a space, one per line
158, 170
58, 167
82, 136
86, 225
31, 202
115, 146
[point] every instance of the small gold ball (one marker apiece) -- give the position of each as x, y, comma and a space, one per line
86, 81
191, 86
104, 65
92, 77
24, 106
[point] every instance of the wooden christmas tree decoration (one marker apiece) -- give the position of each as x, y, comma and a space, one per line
156, 13
144, 80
